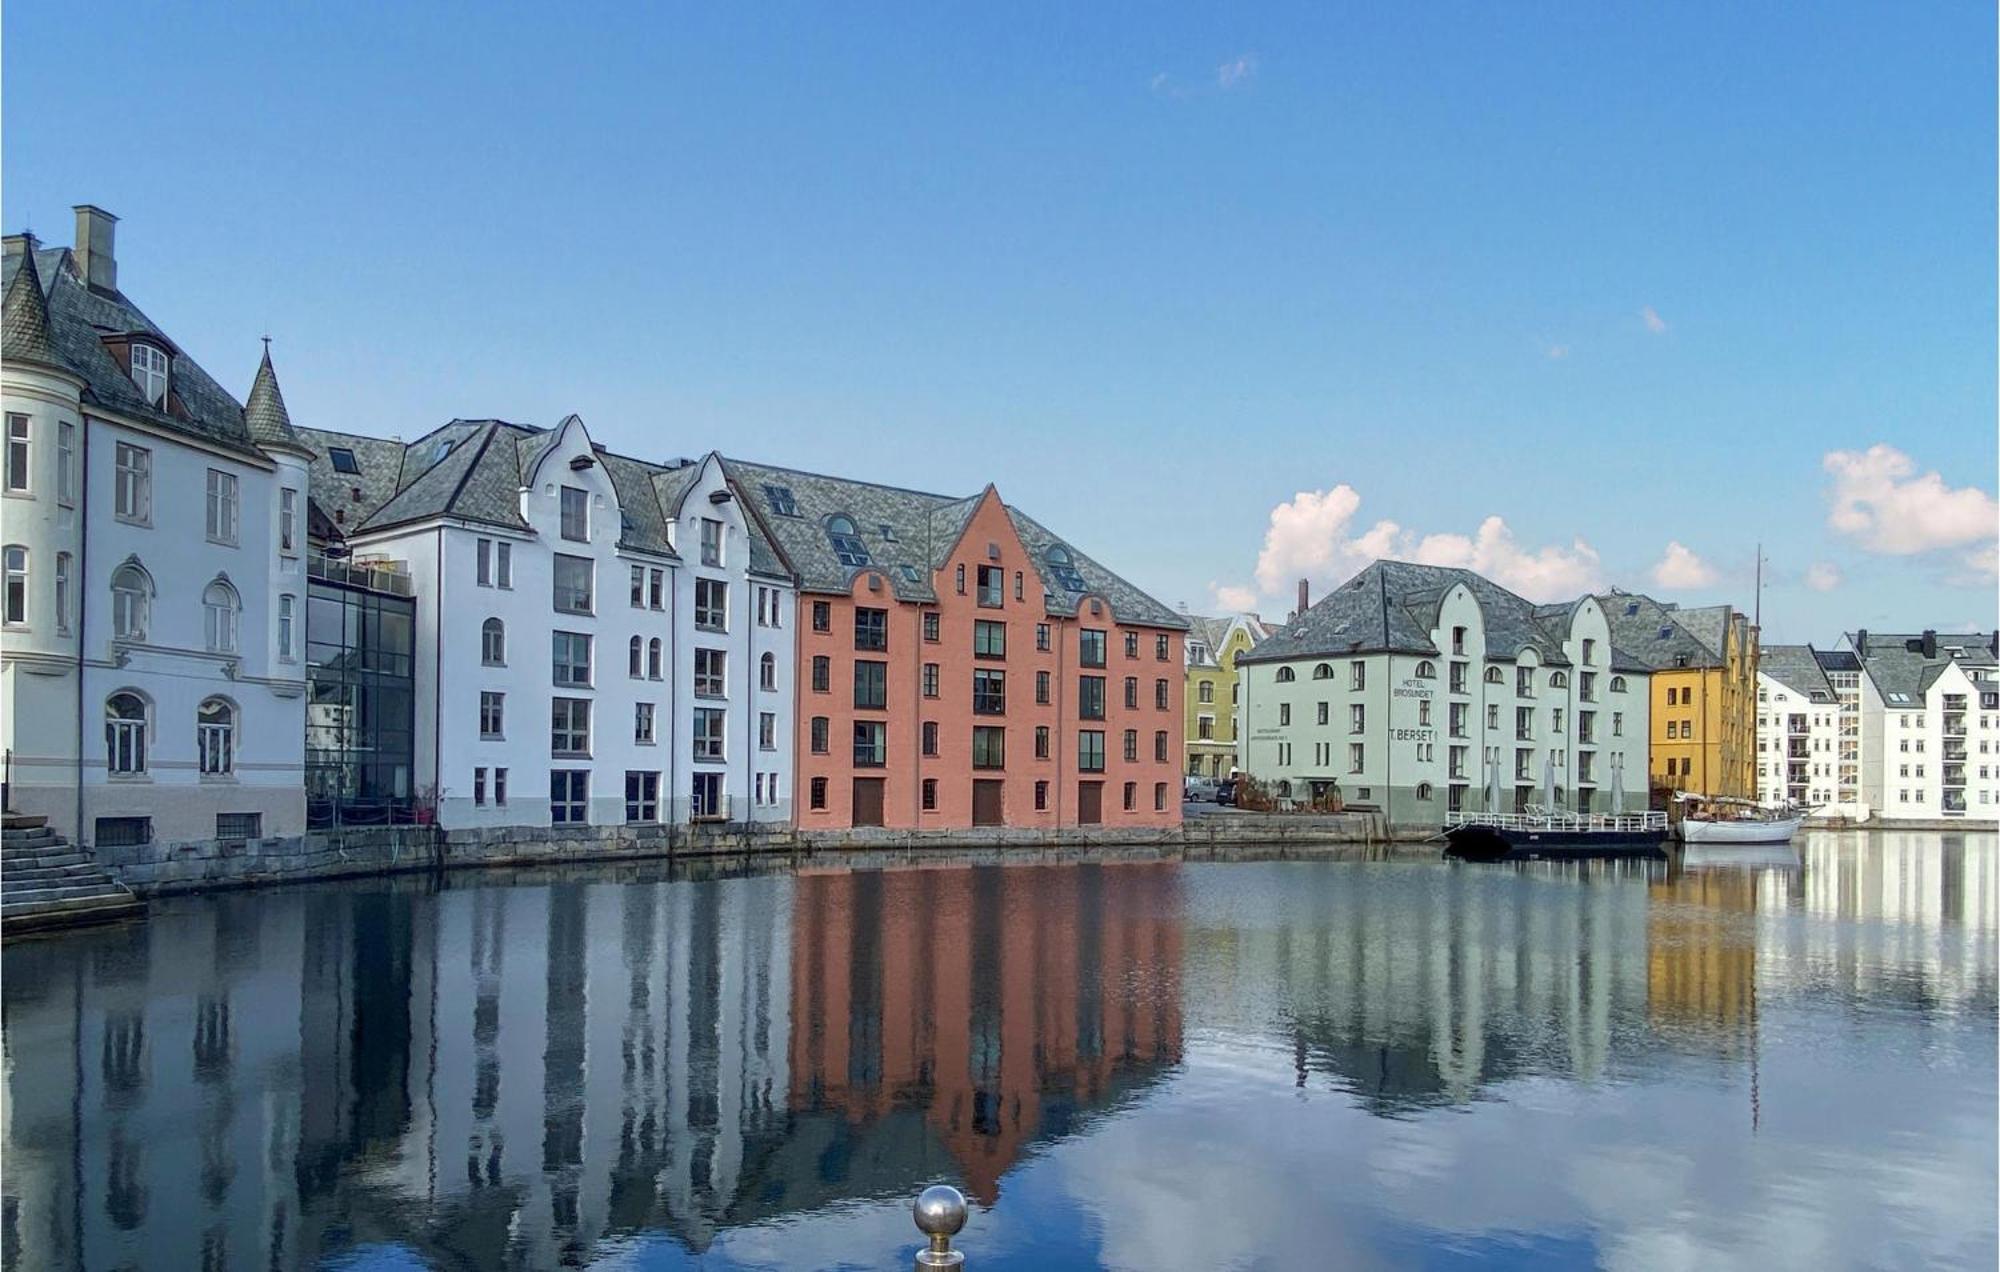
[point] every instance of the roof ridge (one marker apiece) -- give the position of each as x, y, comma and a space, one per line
852, 481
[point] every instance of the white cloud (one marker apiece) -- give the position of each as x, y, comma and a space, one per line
1232, 599
1823, 576
1651, 317
1237, 70
1880, 501
1680, 569
1557, 352
1312, 535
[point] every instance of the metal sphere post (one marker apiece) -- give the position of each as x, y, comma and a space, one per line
940, 1213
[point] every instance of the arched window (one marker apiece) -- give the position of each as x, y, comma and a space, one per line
1493, 676
125, 733
16, 604
1427, 670
653, 658
149, 372
1618, 684
846, 539
1557, 680
634, 658
1284, 790
221, 611
131, 601
493, 643
1286, 675
215, 736
767, 671
1424, 791
1063, 566
1323, 672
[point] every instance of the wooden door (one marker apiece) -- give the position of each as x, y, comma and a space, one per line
986, 804
867, 801
1089, 803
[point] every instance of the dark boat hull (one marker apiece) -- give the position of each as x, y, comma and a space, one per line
1491, 843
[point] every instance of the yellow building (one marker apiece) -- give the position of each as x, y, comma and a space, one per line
1212, 647
1704, 691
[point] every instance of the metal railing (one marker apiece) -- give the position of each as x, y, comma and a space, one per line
392, 577
1537, 819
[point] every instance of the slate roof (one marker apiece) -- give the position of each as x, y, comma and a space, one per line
1210, 632
1798, 668
907, 534
24, 329
1392, 607
1654, 635
264, 413
1837, 660
1895, 661
75, 318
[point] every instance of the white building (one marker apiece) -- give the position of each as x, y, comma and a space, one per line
599, 640
153, 532
1426, 691
1801, 731
1929, 725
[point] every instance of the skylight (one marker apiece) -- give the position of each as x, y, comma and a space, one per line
910, 573
846, 539
343, 459
781, 499
1063, 566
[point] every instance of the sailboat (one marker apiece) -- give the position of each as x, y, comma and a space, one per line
1722, 820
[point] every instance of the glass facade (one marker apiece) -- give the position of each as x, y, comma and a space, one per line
360, 698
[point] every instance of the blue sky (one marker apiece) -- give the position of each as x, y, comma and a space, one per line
1623, 275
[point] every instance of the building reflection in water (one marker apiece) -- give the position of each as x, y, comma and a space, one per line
514, 1073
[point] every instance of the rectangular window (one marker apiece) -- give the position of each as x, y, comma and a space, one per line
288, 521
492, 714
239, 827
1204, 728
569, 726
822, 673
656, 589
989, 692
1284, 713
638, 587
17, 452
642, 723
930, 738
1090, 750
1162, 695
66, 464
1042, 688
500, 787
819, 735
62, 593
931, 625
1042, 637
1041, 797
1458, 677
871, 685
767, 731
992, 586
1322, 709
1205, 692
930, 680
14, 611
642, 795
708, 733
570, 658
1357, 718
816, 793
711, 605
286, 618
1041, 741
930, 794
1131, 796
989, 747
768, 612
123, 832
1160, 745
569, 796
711, 542
484, 555
1159, 796
574, 584
871, 744
989, 639
1132, 693
1162, 648
575, 514
1131, 644
822, 616
871, 629
1091, 651
711, 678
132, 487
222, 507
1090, 697
479, 787
1357, 675
1356, 756
1131, 745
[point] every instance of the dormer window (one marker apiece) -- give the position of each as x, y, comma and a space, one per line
846, 539
149, 372
1063, 566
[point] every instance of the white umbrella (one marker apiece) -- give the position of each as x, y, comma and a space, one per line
1549, 780
1617, 783
1493, 782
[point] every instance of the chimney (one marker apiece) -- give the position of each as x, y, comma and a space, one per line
1861, 642
1305, 596
1930, 643
96, 256
18, 244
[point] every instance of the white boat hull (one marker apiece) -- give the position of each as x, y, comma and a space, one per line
1739, 832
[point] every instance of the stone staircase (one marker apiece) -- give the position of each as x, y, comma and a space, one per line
46, 882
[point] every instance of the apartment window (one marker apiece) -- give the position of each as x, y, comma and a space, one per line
1356, 756
479, 787
708, 733
573, 584
930, 680
125, 739
1042, 688
65, 464
930, 738
989, 692
1017, 585
1131, 749
871, 629
1090, 697
575, 514
642, 723
1458, 677
642, 795
1204, 728
569, 796
1492, 715
1131, 796
1042, 637
1041, 741
871, 744
711, 605
17, 452
1357, 718
992, 586
492, 715
1132, 693
767, 731
930, 625
287, 618
1524, 722
1090, 750
816, 793
989, 639
635, 658
822, 616
493, 643
711, 679
288, 521
495, 563
16, 605
1091, 647
711, 542
222, 612
569, 726
570, 658
1131, 644
822, 673
132, 484
149, 372
1205, 692
769, 613
1284, 713
653, 660
767, 673
1162, 648
989, 747
215, 738
1160, 695
871, 684
500, 787
62, 593
638, 587
1041, 797
961, 580
1160, 745
222, 507
930, 794
818, 734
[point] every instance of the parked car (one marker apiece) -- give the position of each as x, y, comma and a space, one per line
1225, 792
1200, 790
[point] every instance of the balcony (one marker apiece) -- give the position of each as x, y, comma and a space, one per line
392, 577
1954, 752
1954, 775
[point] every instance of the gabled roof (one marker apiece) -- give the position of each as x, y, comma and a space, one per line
75, 319
1798, 668
1392, 607
1654, 636
1903, 673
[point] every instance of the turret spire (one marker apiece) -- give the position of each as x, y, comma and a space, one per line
270, 424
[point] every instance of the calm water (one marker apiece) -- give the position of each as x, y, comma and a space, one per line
1326, 1064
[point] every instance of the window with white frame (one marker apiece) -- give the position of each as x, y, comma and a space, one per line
767, 672
642, 723
653, 671
573, 584
132, 484
711, 605
222, 507
635, 658
767, 731
131, 602
215, 737
711, 542
66, 464
14, 609
287, 618
125, 726
708, 734
19, 453
569, 726
222, 613
149, 372
569, 796
710, 680
492, 714
642, 795
570, 658
288, 521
